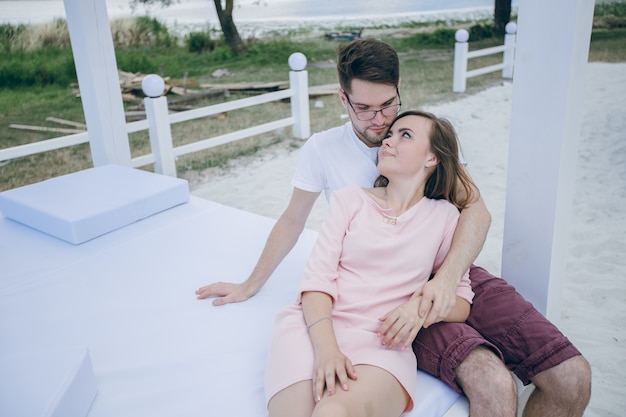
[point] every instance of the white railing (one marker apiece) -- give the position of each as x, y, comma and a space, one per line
462, 56
158, 122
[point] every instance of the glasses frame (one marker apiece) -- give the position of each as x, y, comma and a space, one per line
381, 110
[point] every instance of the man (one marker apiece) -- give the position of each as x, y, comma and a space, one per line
502, 332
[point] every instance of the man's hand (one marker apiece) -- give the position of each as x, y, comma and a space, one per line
438, 299
401, 325
225, 292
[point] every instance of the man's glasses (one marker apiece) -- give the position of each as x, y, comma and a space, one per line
386, 111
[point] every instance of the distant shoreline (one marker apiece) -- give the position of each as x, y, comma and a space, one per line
182, 23
325, 23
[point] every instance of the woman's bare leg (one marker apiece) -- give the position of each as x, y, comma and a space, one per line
294, 401
375, 393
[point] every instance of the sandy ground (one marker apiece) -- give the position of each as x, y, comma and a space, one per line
594, 308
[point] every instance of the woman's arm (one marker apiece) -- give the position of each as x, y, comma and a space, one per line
400, 326
459, 312
330, 363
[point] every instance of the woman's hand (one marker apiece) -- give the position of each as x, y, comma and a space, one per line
330, 367
400, 326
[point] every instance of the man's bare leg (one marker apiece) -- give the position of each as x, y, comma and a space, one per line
561, 391
488, 384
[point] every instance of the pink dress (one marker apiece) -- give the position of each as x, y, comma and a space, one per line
369, 267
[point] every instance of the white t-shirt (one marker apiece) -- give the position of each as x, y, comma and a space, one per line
335, 158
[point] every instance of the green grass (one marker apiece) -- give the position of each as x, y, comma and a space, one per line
36, 83
608, 45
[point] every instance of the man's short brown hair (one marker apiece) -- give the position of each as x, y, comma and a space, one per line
368, 60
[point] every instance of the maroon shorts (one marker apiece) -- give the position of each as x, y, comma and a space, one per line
501, 320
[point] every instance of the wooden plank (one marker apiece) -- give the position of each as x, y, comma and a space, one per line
45, 129
131, 98
77, 125
314, 91
323, 90
249, 86
181, 91
196, 95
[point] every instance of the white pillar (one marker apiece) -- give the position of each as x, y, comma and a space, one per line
461, 50
96, 68
550, 62
509, 50
299, 84
160, 135
157, 113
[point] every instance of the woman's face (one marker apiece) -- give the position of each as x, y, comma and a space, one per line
406, 148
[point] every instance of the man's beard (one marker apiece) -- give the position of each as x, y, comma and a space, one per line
372, 138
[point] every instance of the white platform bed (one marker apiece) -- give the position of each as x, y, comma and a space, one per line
112, 327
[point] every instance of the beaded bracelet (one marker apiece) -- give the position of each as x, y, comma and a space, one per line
317, 321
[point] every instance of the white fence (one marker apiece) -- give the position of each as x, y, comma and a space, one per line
158, 122
462, 56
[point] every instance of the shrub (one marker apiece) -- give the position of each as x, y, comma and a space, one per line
613, 8
478, 32
51, 66
440, 38
199, 42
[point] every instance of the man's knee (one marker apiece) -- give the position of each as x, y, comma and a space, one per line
483, 370
568, 382
488, 384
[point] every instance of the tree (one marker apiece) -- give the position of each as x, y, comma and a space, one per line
225, 16
502, 15
231, 34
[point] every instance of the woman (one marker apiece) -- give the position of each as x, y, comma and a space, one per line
355, 315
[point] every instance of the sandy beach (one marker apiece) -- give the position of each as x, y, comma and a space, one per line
594, 307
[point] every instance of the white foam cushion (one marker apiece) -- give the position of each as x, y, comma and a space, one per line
83, 205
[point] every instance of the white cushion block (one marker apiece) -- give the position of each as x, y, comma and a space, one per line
83, 205
47, 384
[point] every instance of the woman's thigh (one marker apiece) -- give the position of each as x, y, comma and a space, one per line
294, 401
375, 393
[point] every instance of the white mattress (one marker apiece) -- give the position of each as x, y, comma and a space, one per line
128, 297
47, 383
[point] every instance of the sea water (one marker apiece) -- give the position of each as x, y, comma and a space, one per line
202, 12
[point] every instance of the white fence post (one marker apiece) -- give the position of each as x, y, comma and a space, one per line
158, 122
159, 125
299, 84
462, 56
461, 48
509, 50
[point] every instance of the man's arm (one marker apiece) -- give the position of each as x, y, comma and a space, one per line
281, 240
439, 294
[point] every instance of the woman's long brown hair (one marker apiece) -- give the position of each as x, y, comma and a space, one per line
449, 180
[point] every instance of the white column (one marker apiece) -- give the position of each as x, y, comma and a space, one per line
96, 68
550, 62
